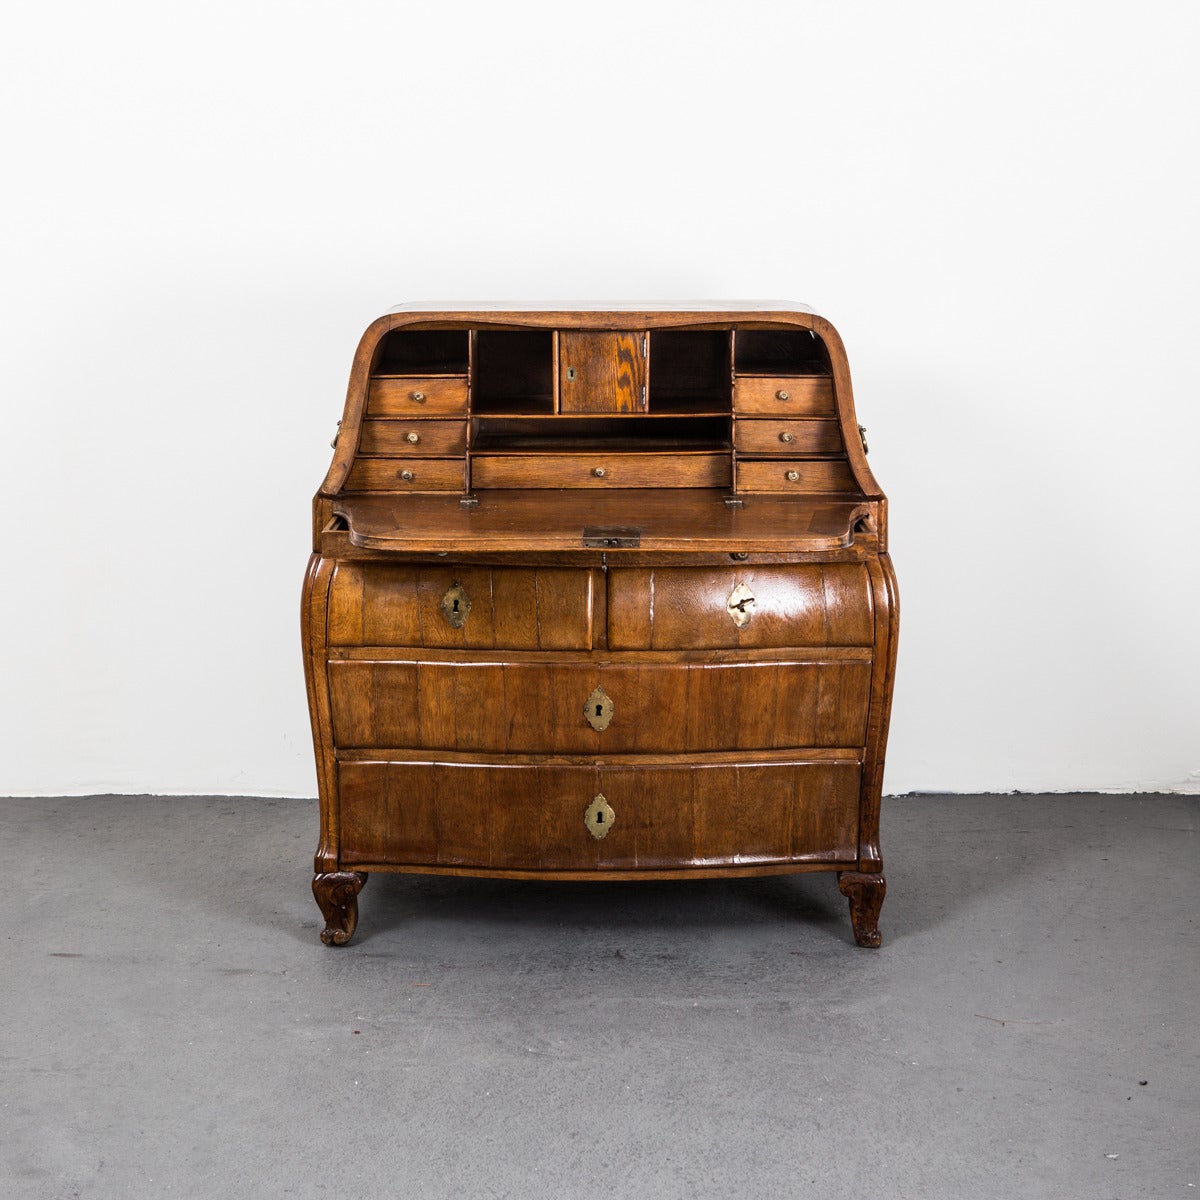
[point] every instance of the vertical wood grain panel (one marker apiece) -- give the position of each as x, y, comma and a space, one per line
765, 798
609, 371
351, 693
345, 611
390, 607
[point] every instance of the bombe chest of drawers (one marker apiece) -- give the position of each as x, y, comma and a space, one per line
599, 594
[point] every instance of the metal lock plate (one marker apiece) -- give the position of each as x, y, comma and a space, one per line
599, 817
598, 710
456, 605
740, 605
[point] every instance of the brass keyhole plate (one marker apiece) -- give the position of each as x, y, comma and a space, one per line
740, 605
599, 817
598, 710
456, 605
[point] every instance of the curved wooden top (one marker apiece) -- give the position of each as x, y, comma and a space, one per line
691, 314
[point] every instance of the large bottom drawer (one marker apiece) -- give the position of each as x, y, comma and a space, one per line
541, 817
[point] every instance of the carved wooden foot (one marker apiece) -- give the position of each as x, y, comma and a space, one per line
865, 893
337, 895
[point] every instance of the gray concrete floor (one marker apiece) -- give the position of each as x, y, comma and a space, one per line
170, 1024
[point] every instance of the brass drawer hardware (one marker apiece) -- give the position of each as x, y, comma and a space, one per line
787, 437
740, 605
598, 710
419, 397
793, 477
599, 817
407, 476
413, 438
338, 432
456, 604
862, 437
599, 472
782, 395
614, 537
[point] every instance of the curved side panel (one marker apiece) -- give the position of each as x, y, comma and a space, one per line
346, 445
887, 625
847, 418
313, 612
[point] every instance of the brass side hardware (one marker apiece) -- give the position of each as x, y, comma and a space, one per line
782, 395
599, 817
739, 555
598, 710
413, 438
338, 431
599, 472
456, 604
787, 437
407, 476
740, 605
862, 437
571, 374
793, 476
419, 397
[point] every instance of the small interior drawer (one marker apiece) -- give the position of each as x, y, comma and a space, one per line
796, 395
600, 470
413, 438
788, 475
782, 436
415, 395
406, 475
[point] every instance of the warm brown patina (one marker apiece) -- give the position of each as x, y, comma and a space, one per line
599, 594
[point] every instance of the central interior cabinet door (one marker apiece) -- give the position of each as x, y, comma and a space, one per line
601, 372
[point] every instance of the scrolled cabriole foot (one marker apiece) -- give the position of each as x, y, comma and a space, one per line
865, 893
337, 895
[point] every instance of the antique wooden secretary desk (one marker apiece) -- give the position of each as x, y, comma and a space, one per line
599, 594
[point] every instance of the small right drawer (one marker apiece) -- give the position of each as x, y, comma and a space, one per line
797, 395
779, 435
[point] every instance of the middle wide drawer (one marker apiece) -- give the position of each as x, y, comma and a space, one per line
812, 699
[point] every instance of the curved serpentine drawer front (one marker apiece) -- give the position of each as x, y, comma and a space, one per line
483, 608
531, 817
812, 699
700, 608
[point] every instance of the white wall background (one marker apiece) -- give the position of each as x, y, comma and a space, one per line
205, 205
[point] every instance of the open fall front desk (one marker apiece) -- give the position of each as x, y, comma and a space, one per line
599, 594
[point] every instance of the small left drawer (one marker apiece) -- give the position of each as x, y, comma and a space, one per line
417, 395
413, 439
406, 475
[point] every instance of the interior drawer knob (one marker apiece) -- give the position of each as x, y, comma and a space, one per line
793, 477
599, 472
787, 437
419, 397
413, 438
782, 395
598, 710
407, 476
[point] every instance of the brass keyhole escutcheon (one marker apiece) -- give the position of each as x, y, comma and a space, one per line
456, 605
598, 710
599, 817
740, 605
